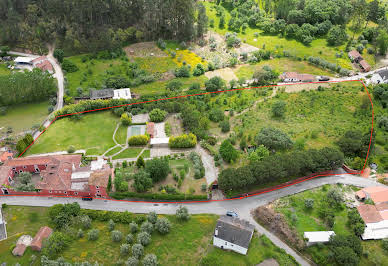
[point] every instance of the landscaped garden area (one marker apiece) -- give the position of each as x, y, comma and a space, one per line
324, 209
171, 177
112, 237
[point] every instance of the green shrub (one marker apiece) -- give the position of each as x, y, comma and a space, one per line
157, 115
69, 66
183, 141
93, 234
138, 140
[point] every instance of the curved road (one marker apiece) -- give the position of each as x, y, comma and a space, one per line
242, 206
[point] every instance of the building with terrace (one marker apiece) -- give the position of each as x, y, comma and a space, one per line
57, 175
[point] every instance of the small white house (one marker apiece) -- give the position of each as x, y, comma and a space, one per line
23, 60
380, 76
318, 237
122, 94
159, 141
231, 233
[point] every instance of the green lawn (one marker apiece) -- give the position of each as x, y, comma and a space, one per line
128, 153
20, 222
121, 134
92, 131
22, 117
261, 248
186, 244
317, 118
113, 151
318, 47
281, 65
146, 154
4, 70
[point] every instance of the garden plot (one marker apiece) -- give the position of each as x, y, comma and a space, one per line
144, 49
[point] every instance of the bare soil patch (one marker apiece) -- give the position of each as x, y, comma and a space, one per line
277, 224
144, 49
304, 87
225, 73
176, 125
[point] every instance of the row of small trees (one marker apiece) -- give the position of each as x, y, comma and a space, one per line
279, 166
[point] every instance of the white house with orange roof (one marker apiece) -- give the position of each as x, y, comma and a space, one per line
375, 216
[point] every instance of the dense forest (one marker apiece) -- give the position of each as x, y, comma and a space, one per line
91, 25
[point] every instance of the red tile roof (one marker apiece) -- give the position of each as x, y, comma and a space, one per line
295, 75
151, 129
354, 54
39, 59
4, 156
45, 66
101, 177
19, 250
364, 65
369, 213
43, 233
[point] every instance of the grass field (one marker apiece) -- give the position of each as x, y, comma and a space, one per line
281, 65
23, 116
94, 130
91, 73
309, 220
128, 153
146, 154
160, 86
113, 151
155, 64
121, 134
318, 47
316, 118
4, 70
186, 244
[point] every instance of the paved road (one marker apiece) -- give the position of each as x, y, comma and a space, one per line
59, 76
242, 206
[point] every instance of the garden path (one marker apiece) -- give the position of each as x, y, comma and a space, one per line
211, 171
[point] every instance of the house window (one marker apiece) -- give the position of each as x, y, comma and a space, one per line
14, 168
16, 172
50, 191
9, 179
75, 193
98, 191
65, 192
20, 171
97, 187
24, 167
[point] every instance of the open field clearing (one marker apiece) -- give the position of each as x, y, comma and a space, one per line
23, 117
93, 130
317, 117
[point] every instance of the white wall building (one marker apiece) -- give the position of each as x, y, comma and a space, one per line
122, 94
231, 233
316, 237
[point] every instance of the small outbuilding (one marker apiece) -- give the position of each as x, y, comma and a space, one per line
354, 56
232, 233
43, 233
159, 141
318, 237
122, 94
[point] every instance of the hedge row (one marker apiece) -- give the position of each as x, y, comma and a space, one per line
138, 140
124, 195
183, 141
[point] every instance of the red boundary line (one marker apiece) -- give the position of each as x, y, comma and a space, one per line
197, 94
